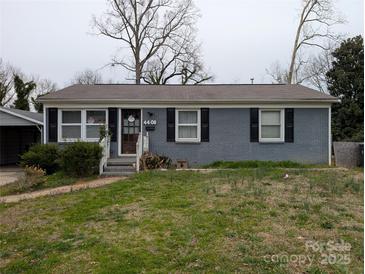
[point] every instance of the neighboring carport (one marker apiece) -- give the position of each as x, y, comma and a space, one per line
19, 129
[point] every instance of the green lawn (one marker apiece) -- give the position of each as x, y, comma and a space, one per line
186, 222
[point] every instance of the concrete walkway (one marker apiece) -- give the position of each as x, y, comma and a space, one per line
60, 190
9, 174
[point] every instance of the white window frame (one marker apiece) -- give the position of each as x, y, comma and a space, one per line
83, 125
198, 125
95, 124
61, 124
282, 121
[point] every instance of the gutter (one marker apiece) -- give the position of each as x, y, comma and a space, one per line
216, 101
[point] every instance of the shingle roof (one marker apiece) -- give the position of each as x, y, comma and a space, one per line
28, 115
187, 93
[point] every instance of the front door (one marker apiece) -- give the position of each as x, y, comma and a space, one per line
131, 124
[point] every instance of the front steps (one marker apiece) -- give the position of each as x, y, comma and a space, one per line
121, 166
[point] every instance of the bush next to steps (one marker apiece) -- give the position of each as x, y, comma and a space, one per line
81, 159
44, 156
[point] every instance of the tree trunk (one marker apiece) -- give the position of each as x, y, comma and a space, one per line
294, 55
138, 67
138, 75
137, 43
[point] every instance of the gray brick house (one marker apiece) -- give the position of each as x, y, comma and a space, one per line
198, 124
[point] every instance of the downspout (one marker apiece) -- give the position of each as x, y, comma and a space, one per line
41, 131
329, 136
44, 124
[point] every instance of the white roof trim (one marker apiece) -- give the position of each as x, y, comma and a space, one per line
182, 101
107, 105
21, 116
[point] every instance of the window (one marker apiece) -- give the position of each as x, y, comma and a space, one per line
271, 125
188, 125
94, 120
80, 124
71, 124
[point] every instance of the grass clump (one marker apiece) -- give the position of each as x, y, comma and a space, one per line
255, 164
327, 225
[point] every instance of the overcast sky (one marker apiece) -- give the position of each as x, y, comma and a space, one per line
240, 38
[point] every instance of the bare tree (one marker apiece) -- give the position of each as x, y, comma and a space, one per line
314, 29
144, 26
278, 73
179, 61
193, 73
6, 83
87, 77
315, 71
43, 86
311, 72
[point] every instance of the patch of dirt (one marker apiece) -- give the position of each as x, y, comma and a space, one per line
78, 262
209, 204
129, 212
4, 262
13, 217
225, 188
230, 246
134, 211
267, 237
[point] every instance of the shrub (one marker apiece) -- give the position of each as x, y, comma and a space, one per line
154, 161
33, 177
44, 156
81, 159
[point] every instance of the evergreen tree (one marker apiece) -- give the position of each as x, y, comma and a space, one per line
22, 91
38, 106
346, 81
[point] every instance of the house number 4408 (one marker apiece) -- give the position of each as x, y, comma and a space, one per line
150, 122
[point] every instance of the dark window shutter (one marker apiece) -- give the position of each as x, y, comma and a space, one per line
204, 116
113, 124
289, 125
170, 121
52, 124
254, 124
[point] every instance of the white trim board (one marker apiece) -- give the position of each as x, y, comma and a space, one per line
202, 105
82, 125
197, 125
188, 101
21, 116
281, 139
